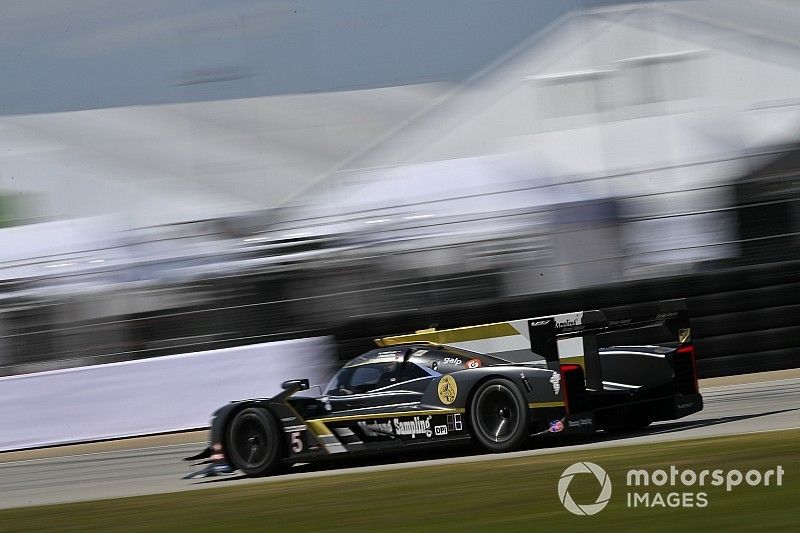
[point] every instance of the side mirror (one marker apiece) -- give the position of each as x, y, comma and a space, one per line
301, 384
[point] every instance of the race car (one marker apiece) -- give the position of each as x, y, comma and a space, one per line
493, 384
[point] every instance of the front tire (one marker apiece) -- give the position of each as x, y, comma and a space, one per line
498, 416
254, 444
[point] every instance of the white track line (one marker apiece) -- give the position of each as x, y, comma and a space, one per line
89, 454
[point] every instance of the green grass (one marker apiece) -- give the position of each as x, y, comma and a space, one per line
516, 494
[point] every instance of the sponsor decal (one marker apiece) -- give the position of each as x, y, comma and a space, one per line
574, 321
473, 363
454, 422
556, 426
540, 322
375, 428
621, 322
416, 426
453, 360
579, 422
525, 382
393, 355
401, 427
434, 365
555, 381
448, 390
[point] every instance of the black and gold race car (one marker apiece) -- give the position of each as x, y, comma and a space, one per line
494, 384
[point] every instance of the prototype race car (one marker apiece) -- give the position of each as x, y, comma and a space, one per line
494, 384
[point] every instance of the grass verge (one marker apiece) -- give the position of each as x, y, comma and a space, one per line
517, 494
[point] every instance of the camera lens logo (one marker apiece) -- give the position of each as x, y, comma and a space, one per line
584, 468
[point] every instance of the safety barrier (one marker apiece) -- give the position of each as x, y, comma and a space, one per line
158, 395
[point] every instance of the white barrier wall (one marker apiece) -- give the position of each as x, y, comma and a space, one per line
149, 396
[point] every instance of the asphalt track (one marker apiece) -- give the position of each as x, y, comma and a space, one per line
67, 476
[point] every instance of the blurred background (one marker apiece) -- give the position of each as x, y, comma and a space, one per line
191, 175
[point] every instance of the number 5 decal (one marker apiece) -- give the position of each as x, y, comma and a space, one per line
297, 442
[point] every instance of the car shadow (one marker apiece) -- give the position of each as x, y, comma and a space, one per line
671, 427
395, 457
661, 428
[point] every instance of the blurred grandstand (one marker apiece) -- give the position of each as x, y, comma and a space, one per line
627, 143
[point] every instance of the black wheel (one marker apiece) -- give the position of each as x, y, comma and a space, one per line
254, 444
498, 416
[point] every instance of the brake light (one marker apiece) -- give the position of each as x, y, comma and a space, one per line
688, 351
565, 389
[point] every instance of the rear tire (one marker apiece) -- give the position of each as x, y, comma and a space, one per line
499, 416
254, 443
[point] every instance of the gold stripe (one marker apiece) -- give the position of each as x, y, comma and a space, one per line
534, 405
366, 416
448, 336
315, 427
319, 430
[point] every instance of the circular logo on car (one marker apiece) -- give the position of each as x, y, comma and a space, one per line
448, 390
473, 363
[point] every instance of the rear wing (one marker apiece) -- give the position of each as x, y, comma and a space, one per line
544, 332
564, 338
574, 337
